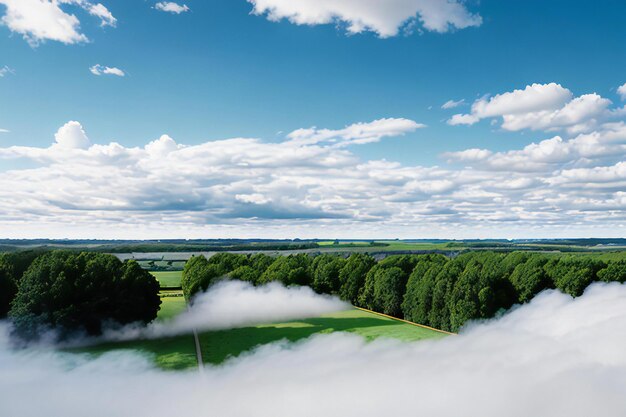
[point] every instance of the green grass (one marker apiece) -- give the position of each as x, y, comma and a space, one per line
169, 353
172, 303
176, 353
217, 346
168, 278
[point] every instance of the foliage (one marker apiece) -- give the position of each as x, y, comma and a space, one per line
325, 271
352, 276
82, 292
289, 270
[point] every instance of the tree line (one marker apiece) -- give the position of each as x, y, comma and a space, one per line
429, 289
74, 292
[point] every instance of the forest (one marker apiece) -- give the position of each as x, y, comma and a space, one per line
430, 289
73, 291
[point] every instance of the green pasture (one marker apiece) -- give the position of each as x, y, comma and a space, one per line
218, 346
175, 353
168, 278
172, 303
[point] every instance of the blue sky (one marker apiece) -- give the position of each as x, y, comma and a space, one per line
219, 71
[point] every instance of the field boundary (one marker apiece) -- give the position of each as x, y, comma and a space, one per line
406, 321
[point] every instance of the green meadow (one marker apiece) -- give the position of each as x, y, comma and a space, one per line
168, 279
177, 353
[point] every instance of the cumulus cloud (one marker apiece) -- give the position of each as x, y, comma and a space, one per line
232, 304
556, 356
310, 184
104, 70
71, 136
621, 90
171, 7
40, 20
383, 18
545, 107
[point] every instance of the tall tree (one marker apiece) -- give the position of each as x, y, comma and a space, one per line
81, 292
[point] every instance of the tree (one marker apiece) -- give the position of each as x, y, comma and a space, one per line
464, 302
8, 287
573, 274
290, 270
389, 291
529, 278
82, 292
227, 262
352, 276
325, 271
12, 267
199, 275
615, 271
439, 315
418, 297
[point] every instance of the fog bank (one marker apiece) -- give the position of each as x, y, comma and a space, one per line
555, 356
231, 304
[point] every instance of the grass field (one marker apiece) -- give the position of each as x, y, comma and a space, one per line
172, 303
219, 345
168, 278
175, 353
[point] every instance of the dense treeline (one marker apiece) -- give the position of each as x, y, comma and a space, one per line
430, 289
72, 291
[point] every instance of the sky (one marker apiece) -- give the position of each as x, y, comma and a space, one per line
347, 119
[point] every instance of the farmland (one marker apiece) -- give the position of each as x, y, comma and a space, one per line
174, 353
168, 279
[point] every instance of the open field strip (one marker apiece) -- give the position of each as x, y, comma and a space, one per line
168, 279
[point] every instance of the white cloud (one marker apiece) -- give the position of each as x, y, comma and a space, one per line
171, 7
556, 356
546, 107
6, 70
621, 90
383, 18
40, 20
72, 136
311, 184
356, 134
101, 69
4, 131
450, 104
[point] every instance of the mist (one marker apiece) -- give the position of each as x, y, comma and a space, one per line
555, 356
231, 304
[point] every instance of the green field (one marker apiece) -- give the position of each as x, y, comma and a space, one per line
220, 345
175, 353
168, 278
172, 303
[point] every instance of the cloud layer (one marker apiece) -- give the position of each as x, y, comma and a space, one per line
312, 184
553, 357
385, 19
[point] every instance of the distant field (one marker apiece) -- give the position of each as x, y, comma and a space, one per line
168, 278
179, 352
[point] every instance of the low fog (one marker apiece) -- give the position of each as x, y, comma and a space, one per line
231, 304
555, 356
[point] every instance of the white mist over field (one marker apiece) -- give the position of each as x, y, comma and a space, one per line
555, 356
230, 304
